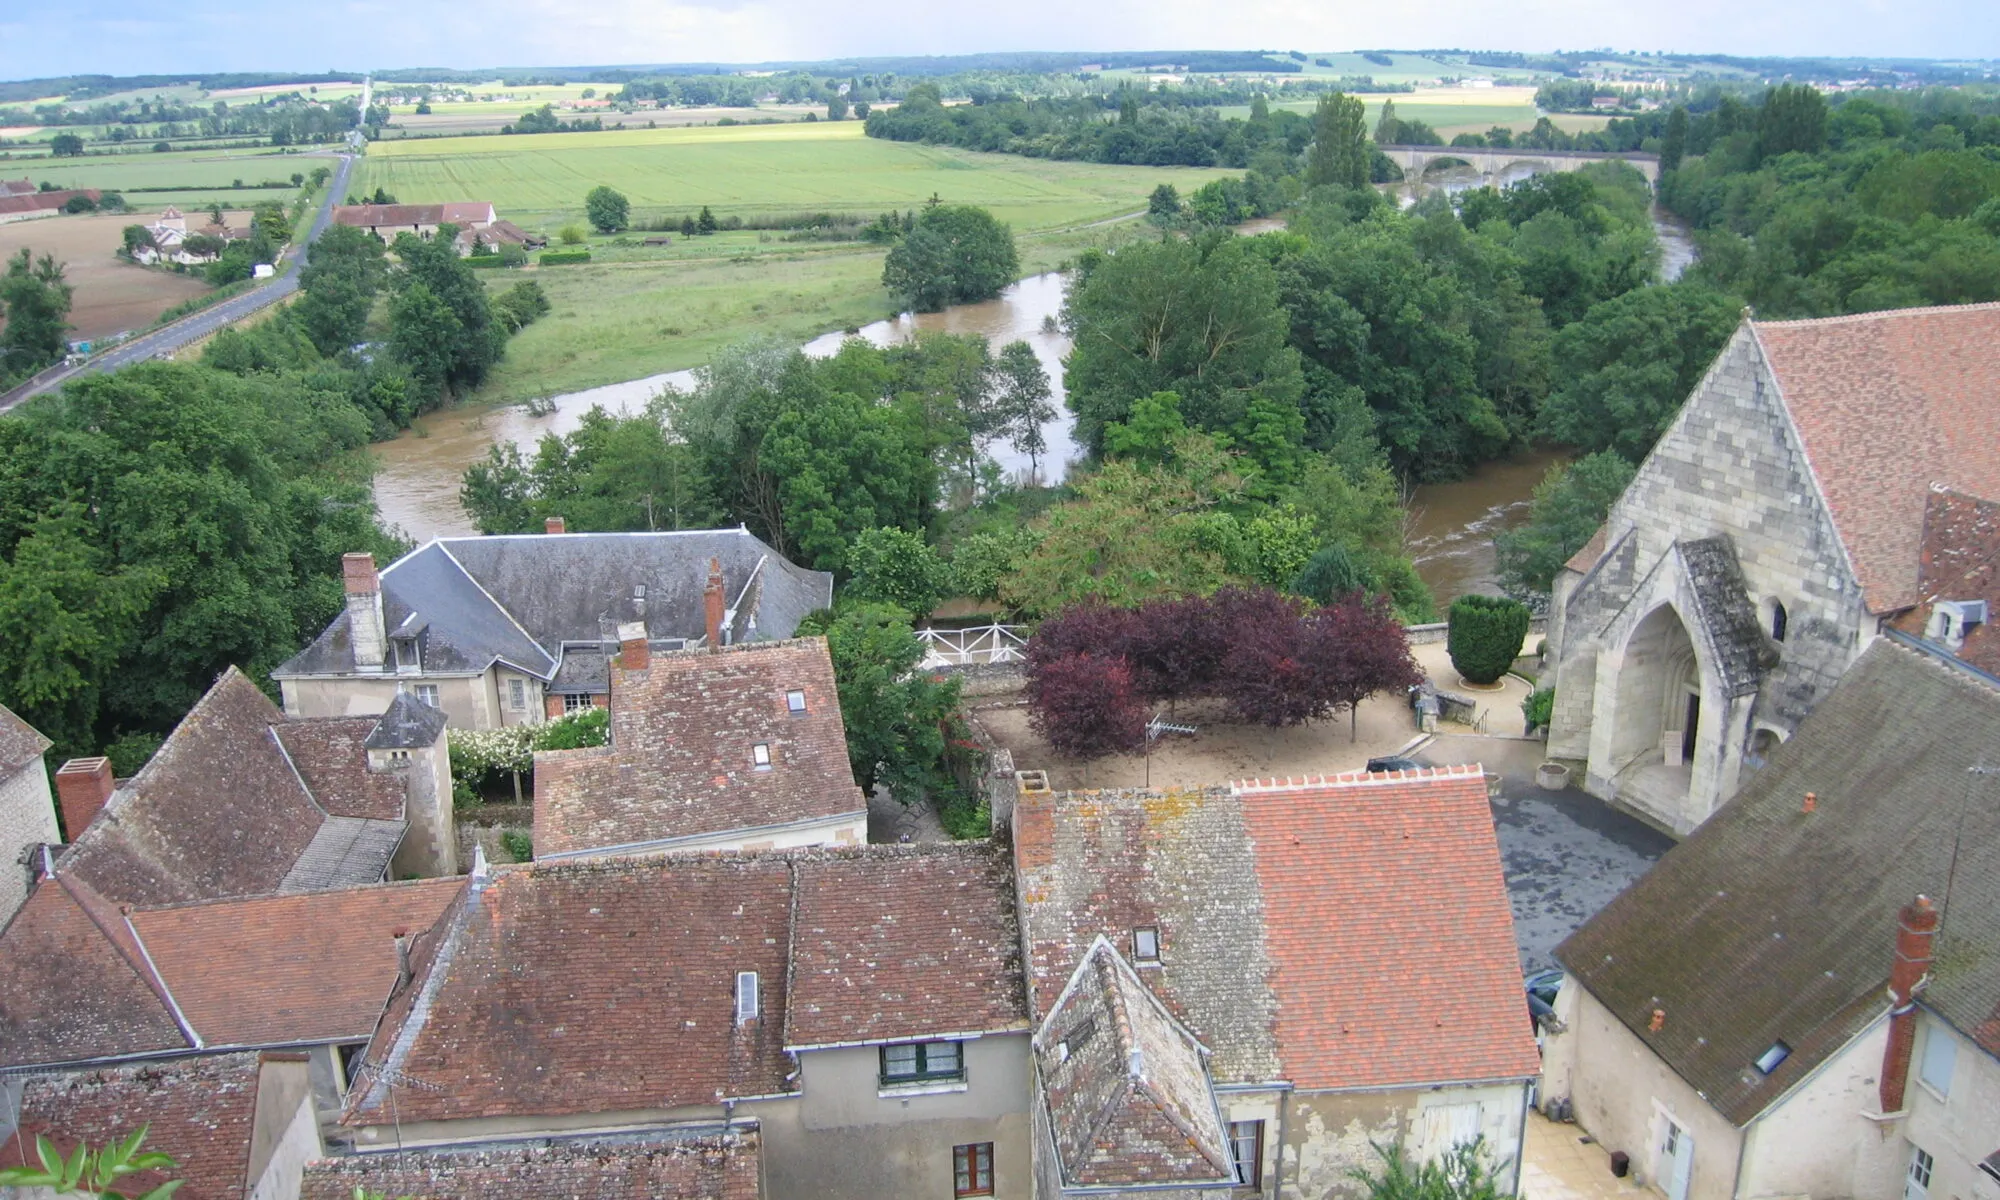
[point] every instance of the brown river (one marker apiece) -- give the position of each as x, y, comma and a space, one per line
1452, 524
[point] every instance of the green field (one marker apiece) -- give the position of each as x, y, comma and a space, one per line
208, 175
752, 170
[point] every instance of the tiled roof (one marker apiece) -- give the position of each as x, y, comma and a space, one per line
20, 743
1961, 562
345, 851
1592, 550
1129, 1101
612, 986
1389, 930
1774, 923
407, 724
461, 212
331, 756
198, 1111
72, 985
680, 761
1725, 616
904, 941
716, 1166
1887, 404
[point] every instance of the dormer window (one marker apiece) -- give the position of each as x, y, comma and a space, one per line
1146, 944
405, 650
795, 702
760, 756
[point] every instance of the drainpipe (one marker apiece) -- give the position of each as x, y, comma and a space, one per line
1521, 1142
1284, 1112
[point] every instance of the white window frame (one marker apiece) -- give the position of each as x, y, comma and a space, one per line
574, 702
427, 693
1246, 1152
746, 997
760, 756
1146, 943
795, 702
517, 694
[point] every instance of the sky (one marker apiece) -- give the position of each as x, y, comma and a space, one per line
124, 37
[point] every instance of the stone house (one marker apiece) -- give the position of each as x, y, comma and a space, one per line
738, 747
170, 233
1777, 528
510, 630
387, 221
859, 1010
27, 811
1236, 990
1801, 999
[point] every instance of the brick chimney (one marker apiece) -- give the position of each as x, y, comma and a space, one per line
633, 652
83, 785
1916, 929
712, 598
554, 525
364, 609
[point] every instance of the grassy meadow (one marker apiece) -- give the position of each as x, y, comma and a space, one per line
1455, 110
199, 177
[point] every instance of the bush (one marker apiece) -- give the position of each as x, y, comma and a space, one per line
896, 567
518, 844
1486, 636
1539, 707
572, 235
557, 258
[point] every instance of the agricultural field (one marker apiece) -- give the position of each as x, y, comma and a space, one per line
198, 177
111, 295
539, 180
1457, 110
450, 119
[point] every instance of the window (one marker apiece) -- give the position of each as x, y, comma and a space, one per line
1246, 1152
795, 701
760, 754
921, 1062
1917, 1184
428, 693
1768, 1061
1777, 621
1146, 944
405, 650
746, 996
1940, 1055
517, 694
972, 1169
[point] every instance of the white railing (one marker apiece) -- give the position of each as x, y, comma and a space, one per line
977, 646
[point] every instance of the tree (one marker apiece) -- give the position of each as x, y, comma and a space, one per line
1023, 401
899, 720
471, 342
1461, 1173
572, 235
688, 226
957, 254
895, 566
1485, 636
1084, 706
66, 145
422, 332
1354, 649
705, 223
1339, 155
1673, 143
36, 297
344, 271
1163, 207
1792, 120
137, 238
608, 210
104, 1172
836, 108
1570, 504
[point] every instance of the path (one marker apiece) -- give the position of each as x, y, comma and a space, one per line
167, 339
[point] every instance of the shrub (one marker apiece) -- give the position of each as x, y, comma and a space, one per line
588, 727
1485, 636
1539, 707
557, 258
572, 235
518, 844
1084, 706
479, 262
896, 566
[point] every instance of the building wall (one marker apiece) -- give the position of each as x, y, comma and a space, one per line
284, 1136
1329, 1135
845, 1136
430, 848
1622, 1091
472, 702
1959, 1128
27, 817
1816, 1141
531, 710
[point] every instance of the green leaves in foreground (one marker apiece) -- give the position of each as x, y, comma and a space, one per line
90, 1172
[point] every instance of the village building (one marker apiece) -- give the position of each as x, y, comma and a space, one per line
27, 809
511, 630
1802, 999
1821, 485
698, 1166
1240, 991
487, 239
387, 221
170, 234
734, 747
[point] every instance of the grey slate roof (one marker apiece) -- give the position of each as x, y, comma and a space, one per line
519, 598
20, 742
1771, 923
410, 724
1727, 618
345, 852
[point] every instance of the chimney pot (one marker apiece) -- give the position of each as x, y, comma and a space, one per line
357, 573
83, 785
713, 600
633, 652
554, 525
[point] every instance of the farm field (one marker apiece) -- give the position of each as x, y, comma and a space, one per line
753, 170
1453, 111
110, 295
474, 118
208, 174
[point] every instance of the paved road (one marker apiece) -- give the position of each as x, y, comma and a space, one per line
199, 325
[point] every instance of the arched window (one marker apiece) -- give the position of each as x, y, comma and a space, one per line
1777, 621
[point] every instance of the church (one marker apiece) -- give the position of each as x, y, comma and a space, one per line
1829, 482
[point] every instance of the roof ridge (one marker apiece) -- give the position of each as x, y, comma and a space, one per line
1358, 778
1880, 314
454, 881
434, 972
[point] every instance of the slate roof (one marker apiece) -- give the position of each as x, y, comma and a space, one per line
345, 850
679, 764
20, 743
1771, 923
713, 1166
1886, 404
199, 1111
409, 724
1725, 615
1128, 1099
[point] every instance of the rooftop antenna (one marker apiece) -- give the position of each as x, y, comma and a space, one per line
394, 1079
1958, 839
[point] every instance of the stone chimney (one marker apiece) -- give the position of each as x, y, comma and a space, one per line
633, 652
554, 525
364, 609
83, 786
712, 598
1916, 930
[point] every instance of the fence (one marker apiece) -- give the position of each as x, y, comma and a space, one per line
979, 645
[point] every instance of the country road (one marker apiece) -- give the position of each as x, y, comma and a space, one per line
199, 325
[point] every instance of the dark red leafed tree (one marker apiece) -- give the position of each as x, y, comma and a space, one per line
1266, 676
1085, 706
1354, 649
1180, 648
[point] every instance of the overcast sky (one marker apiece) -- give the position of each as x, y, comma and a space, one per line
124, 37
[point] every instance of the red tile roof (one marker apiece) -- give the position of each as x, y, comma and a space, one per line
1887, 404
1389, 929
904, 941
1961, 561
679, 764
459, 212
199, 1111
330, 757
721, 1166
72, 988
1587, 555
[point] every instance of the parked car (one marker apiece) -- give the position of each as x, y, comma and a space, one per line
1542, 987
1392, 762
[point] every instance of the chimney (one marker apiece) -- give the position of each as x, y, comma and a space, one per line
554, 525
364, 609
83, 785
633, 653
1916, 929
712, 597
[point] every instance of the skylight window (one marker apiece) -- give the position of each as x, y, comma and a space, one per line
760, 754
1146, 944
1768, 1061
795, 701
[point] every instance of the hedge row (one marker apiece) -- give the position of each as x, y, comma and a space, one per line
557, 258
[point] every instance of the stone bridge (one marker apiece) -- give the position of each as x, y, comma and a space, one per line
1417, 161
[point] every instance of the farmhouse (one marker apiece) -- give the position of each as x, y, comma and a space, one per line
170, 236
488, 239
1827, 481
386, 221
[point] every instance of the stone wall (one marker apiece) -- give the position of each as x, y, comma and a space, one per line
27, 818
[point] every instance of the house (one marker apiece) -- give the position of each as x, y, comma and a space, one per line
738, 747
1776, 528
15, 206
170, 234
238, 1126
241, 800
1235, 990
27, 811
859, 1009
1802, 998
699, 1166
386, 221
515, 629
487, 239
